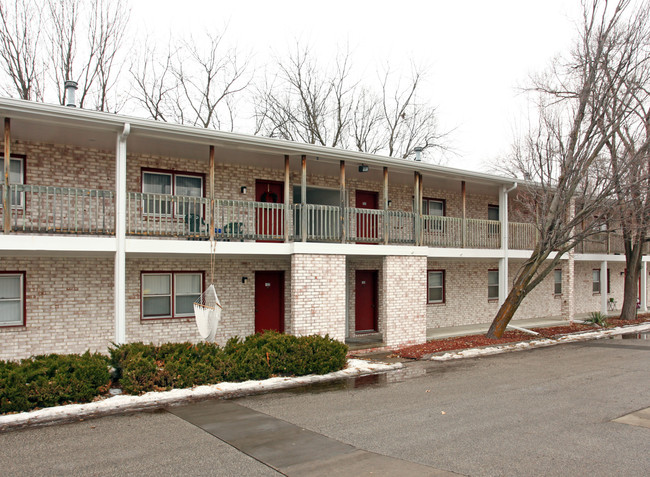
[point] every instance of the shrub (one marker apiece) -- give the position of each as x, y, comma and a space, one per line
173, 365
51, 380
597, 318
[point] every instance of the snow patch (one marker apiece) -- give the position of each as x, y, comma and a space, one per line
122, 402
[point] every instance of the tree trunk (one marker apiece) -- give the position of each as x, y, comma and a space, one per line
511, 303
633, 258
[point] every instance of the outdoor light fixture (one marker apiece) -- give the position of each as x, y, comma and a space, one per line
244, 279
363, 168
243, 189
390, 202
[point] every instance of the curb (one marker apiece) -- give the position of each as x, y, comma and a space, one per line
156, 400
541, 343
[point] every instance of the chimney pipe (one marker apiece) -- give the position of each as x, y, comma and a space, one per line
418, 150
70, 89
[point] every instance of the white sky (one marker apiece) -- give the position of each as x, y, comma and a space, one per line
478, 51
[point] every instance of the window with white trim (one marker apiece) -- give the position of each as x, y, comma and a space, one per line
493, 284
595, 281
170, 294
171, 183
557, 282
12, 299
436, 286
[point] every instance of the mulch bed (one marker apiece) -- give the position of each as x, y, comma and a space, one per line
510, 336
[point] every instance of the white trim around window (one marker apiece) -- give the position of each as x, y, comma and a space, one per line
169, 294
493, 285
12, 299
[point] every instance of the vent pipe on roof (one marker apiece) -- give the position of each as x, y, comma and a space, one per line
70, 89
418, 150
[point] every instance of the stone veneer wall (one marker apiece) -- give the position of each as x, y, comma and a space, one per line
318, 295
404, 311
237, 298
69, 306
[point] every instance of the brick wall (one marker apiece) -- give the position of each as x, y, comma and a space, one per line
237, 298
466, 295
69, 306
318, 295
404, 304
586, 300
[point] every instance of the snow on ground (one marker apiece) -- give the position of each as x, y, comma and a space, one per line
124, 403
589, 335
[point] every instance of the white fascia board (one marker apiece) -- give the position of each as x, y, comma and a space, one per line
598, 257
464, 253
145, 247
56, 245
315, 248
30, 110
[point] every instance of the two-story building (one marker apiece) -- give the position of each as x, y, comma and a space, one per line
112, 226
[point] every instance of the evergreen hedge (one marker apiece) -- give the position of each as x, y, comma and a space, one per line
143, 368
51, 380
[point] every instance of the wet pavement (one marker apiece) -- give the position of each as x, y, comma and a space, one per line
290, 449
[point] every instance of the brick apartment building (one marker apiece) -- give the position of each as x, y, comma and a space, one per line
108, 238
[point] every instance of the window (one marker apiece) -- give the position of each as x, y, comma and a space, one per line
16, 176
595, 278
12, 299
557, 276
493, 284
436, 286
436, 208
493, 212
171, 183
170, 294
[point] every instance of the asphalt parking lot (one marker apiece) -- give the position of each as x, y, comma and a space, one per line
547, 411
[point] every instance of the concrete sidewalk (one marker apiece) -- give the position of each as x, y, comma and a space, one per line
481, 328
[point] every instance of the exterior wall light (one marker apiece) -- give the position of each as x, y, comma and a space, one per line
363, 168
243, 189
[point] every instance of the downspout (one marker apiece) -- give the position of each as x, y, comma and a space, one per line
120, 235
503, 272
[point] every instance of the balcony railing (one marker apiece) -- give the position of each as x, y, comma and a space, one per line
61, 210
45, 209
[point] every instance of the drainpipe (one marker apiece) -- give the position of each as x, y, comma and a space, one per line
120, 235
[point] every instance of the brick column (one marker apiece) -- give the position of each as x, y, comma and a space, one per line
318, 295
404, 293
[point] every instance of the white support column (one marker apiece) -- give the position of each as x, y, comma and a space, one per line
503, 262
120, 235
603, 287
644, 287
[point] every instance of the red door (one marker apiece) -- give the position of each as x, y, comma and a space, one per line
270, 220
269, 301
367, 225
365, 306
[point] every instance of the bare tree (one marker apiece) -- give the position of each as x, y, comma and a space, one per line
209, 76
629, 148
306, 103
328, 106
154, 82
20, 43
563, 153
99, 28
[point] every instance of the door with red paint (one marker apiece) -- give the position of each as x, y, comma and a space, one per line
365, 306
367, 223
269, 222
269, 301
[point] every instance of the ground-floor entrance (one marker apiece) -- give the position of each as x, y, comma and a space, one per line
365, 306
269, 301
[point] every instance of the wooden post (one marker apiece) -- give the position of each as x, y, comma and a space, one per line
420, 196
463, 200
303, 198
287, 208
343, 204
416, 208
6, 196
211, 192
385, 205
